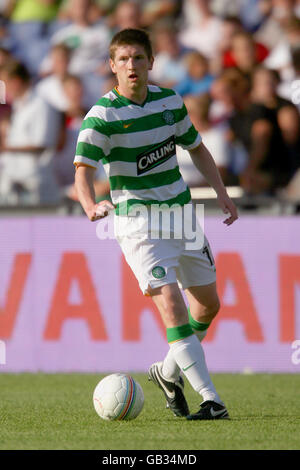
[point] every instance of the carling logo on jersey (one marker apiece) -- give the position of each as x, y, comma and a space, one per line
156, 155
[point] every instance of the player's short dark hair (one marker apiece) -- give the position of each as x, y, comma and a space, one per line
130, 37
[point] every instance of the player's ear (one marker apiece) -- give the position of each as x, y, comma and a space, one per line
151, 63
112, 66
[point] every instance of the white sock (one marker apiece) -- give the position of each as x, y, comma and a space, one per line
189, 356
170, 369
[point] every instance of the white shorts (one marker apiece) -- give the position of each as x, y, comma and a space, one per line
157, 261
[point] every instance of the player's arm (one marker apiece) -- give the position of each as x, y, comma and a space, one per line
84, 184
205, 163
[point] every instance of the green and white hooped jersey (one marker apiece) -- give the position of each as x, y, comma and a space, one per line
137, 146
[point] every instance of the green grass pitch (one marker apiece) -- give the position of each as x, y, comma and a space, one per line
55, 411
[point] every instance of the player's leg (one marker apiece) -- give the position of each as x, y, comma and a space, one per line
203, 307
154, 264
171, 306
185, 348
196, 274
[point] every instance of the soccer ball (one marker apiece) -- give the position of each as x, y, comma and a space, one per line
118, 396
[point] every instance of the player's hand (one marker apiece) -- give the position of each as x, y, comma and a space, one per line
100, 210
228, 207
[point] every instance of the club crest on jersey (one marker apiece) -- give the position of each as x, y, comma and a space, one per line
156, 155
158, 272
168, 117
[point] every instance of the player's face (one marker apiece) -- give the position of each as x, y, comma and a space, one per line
131, 66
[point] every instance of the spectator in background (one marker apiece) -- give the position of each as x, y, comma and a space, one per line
33, 10
284, 10
264, 92
223, 91
250, 14
256, 127
169, 66
29, 23
192, 15
6, 7
198, 79
6, 41
95, 12
264, 89
231, 25
73, 117
205, 35
247, 10
269, 31
245, 53
106, 6
27, 174
232, 28
280, 58
223, 8
289, 123
290, 88
5, 58
156, 10
51, 87
88, 42
214, 137
128, 14
64, 168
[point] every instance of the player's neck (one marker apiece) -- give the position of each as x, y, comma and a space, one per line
137, 96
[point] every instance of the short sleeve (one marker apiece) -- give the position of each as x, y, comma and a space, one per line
186, 135
93, 141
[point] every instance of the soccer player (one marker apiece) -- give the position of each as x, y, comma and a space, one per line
133, 130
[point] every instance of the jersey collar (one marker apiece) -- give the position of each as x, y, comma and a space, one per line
127, 101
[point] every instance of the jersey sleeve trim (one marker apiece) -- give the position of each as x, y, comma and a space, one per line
190, 140
86, 161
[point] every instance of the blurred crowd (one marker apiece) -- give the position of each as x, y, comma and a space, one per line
236, 64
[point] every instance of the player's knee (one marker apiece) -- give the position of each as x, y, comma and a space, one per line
213, 309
